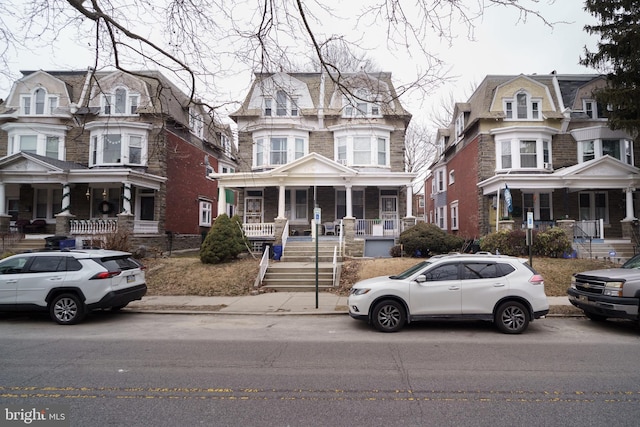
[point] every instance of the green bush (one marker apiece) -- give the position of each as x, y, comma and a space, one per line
424, 239
224, 242
396, 251
552, 242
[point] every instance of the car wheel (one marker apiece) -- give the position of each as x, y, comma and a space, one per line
512, 318
66, 309
388, 316
595, 317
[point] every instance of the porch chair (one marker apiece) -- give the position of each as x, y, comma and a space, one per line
20, 224
37, 226
329, 228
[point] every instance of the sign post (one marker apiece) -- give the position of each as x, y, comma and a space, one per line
317, 217
530, 235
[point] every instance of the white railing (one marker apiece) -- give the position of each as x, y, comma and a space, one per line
259, 229
145, 227
89, 227
285, 235
341, 236
377, 227
264, 266
589, 229
335, 265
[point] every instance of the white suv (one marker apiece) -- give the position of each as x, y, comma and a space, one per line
70, 283
501, 289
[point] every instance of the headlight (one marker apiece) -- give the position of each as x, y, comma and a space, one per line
359, 291
613, 289
573, 282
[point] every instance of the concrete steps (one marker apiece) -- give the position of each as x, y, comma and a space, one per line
622, 250
296, 270
25, 245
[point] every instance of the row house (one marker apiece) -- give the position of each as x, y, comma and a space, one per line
311, 151
546, 140
88, 153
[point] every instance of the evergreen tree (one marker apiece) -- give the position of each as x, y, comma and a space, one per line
223, 242
618, 55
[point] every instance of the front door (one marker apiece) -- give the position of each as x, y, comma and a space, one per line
253, 211
389, 214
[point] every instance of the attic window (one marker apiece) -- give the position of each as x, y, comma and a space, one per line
39, 102
285, 105
522, 107
121, 102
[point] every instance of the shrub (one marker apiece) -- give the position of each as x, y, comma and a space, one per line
423, 239
552, 242
118, 241
223, 242
396, 251
506, 242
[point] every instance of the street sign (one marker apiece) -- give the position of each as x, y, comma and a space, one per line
530, 220
317, 215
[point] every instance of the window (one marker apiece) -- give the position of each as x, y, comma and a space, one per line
205, 213
525, 153
39, 103
44, 140
539, 204
454, 215
226, 144
362, 148
357, 204
593, 109
621, 149
296, 205
47, 202
119, 144
362, 104
196, 122
440, 183
121, 102
440, 217
526, 108
279, 150
480, 270
442, 272
459, 124
452, 177
147, 205
593, 205
286, 106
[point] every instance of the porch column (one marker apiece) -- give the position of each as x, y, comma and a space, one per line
222, 199
349, 198
5, 219
126, 198
66, 199
281, 201
3, 207
409, 201
629, 194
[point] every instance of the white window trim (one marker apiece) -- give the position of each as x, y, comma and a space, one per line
205, 213
48, 107
459, 124
514, 108
597, 149
374, 136
266, 135
514, 138
127, 130
455, 215
351, 105
196, 123
128, 104
536, 204
15, 130
291, 105
290, 213
452, 177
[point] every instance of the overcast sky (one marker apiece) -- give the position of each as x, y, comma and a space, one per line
503, 45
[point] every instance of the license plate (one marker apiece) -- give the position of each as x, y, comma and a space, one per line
131, 278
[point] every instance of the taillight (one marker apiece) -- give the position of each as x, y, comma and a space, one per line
536, 279
105, 275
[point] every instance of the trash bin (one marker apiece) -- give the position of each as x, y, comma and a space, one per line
53, 242
68, 244
277, 252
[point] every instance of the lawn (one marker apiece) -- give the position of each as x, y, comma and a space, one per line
186, 275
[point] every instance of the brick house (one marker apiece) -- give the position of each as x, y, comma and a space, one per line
303, 143
545, 138
87, 153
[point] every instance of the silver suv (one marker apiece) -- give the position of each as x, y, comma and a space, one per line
501, 289
70, 283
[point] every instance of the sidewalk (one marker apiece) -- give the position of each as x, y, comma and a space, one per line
267, 303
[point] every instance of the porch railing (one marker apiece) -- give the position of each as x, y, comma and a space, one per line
589, 229
377, 227
258, 229
264, 266
90, 227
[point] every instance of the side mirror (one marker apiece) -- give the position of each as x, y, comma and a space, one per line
421, 278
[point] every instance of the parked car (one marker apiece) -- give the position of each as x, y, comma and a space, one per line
501, 289
70, 283
608, 293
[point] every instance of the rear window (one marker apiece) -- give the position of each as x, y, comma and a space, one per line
119, 263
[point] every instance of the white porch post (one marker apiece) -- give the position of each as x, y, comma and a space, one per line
409, 201
66, 199
629, 195
497, 208
222, 199
126, 198
349, 198
3, 207
281, 201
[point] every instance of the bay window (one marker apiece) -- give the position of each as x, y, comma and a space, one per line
360, 147
621, 149
275, 150
44, 140
118, 144
523, 150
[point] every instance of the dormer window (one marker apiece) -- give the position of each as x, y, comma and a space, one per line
285, 105
363, 104
121, 102
459, 124
523, 107
593, 109
196, 123
39, 102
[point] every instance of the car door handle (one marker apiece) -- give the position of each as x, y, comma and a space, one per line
12, 281
498, 285
454, 288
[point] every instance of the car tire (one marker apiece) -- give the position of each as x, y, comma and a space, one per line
512, 318
595, 317
66, 309
388, 316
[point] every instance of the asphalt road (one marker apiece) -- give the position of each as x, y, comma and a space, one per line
232, 370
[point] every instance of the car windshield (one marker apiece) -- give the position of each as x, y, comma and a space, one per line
411, 271
633, 262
